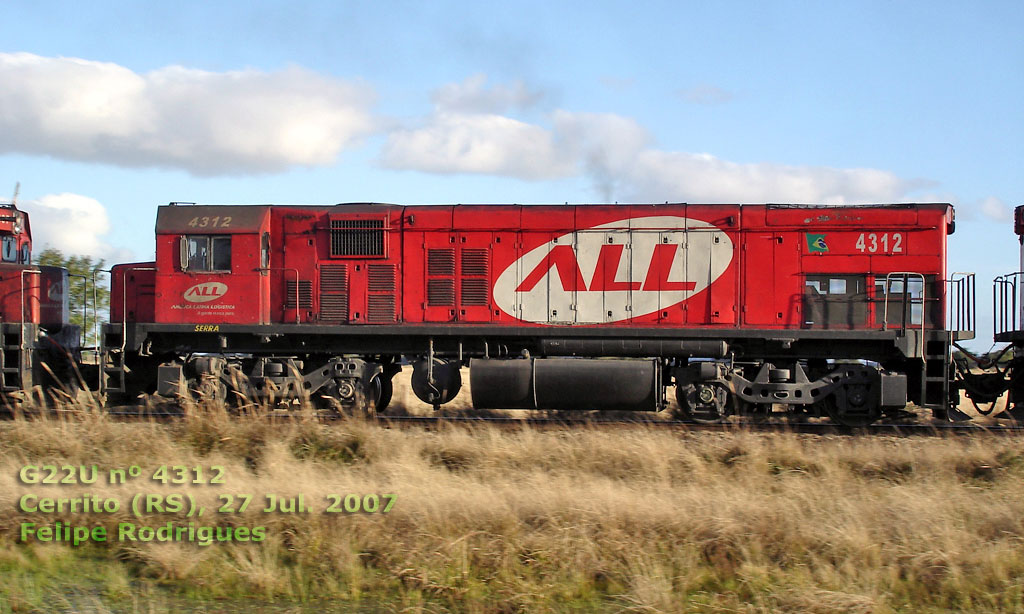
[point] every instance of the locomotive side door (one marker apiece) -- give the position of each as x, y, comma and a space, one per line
771, 279
758, 306
563, 284
474, 272
646, 254
548, 278
669, 263
713, 298
295, 288
439, 277
606, 268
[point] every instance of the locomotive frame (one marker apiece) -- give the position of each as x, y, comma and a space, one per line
550, 307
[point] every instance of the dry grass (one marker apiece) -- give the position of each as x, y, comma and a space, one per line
524, 520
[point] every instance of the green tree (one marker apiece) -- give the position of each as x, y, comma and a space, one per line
82, 271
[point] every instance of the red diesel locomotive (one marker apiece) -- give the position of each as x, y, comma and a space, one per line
37, 341
745, 309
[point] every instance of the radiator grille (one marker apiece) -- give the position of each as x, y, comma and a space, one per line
474, 292
474, 262
441, 262
357, 238
380, 300
334, 293
441, 292
380, 308
305, 294
380, 277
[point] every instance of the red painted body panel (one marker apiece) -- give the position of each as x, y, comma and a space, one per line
133, 292
672, 265
28, 294
34, 294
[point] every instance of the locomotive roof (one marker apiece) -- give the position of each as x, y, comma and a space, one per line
191, 208
177, 218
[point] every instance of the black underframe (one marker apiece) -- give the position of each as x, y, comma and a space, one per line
477, 340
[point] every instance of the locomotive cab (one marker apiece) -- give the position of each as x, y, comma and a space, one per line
212, 265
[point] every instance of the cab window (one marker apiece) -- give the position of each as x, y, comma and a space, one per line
835, 300
206, 253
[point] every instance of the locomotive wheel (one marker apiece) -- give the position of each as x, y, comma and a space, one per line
706, 403
853, 405
209, 390
371, 398
386, 389
367, 402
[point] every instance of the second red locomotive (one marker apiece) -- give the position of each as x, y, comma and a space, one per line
38, 344
844, 311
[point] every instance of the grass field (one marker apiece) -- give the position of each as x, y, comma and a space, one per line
488, 520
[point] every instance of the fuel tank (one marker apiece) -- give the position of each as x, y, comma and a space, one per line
565, 383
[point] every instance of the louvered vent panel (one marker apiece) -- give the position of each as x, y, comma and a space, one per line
441, 292
474, 262
380, 300
381, 277
357, 238
334, 293
380, 308
474, 292
440, 262
305, 294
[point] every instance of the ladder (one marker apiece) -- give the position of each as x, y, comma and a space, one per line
937, 359
12, 359
112, 367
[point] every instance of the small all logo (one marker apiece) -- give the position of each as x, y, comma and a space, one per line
816, 243
56, 292
205, 292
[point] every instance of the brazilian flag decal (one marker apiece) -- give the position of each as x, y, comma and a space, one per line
816, 243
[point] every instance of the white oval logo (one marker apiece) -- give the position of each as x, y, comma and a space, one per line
205, 292
615, 271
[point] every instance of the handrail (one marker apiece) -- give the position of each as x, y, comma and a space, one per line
1006, 306
962, 312
906, 300
96, 312
85, 304
23, 273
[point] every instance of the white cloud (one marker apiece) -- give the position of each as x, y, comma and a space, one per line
661, 175
477, 143
615, 152
473, 96
204, 122
996, 209
72, 223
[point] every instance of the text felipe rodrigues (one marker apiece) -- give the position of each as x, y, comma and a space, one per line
131, 532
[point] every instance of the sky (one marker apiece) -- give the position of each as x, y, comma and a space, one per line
109, 109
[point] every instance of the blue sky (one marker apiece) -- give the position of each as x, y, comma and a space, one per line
108, 109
